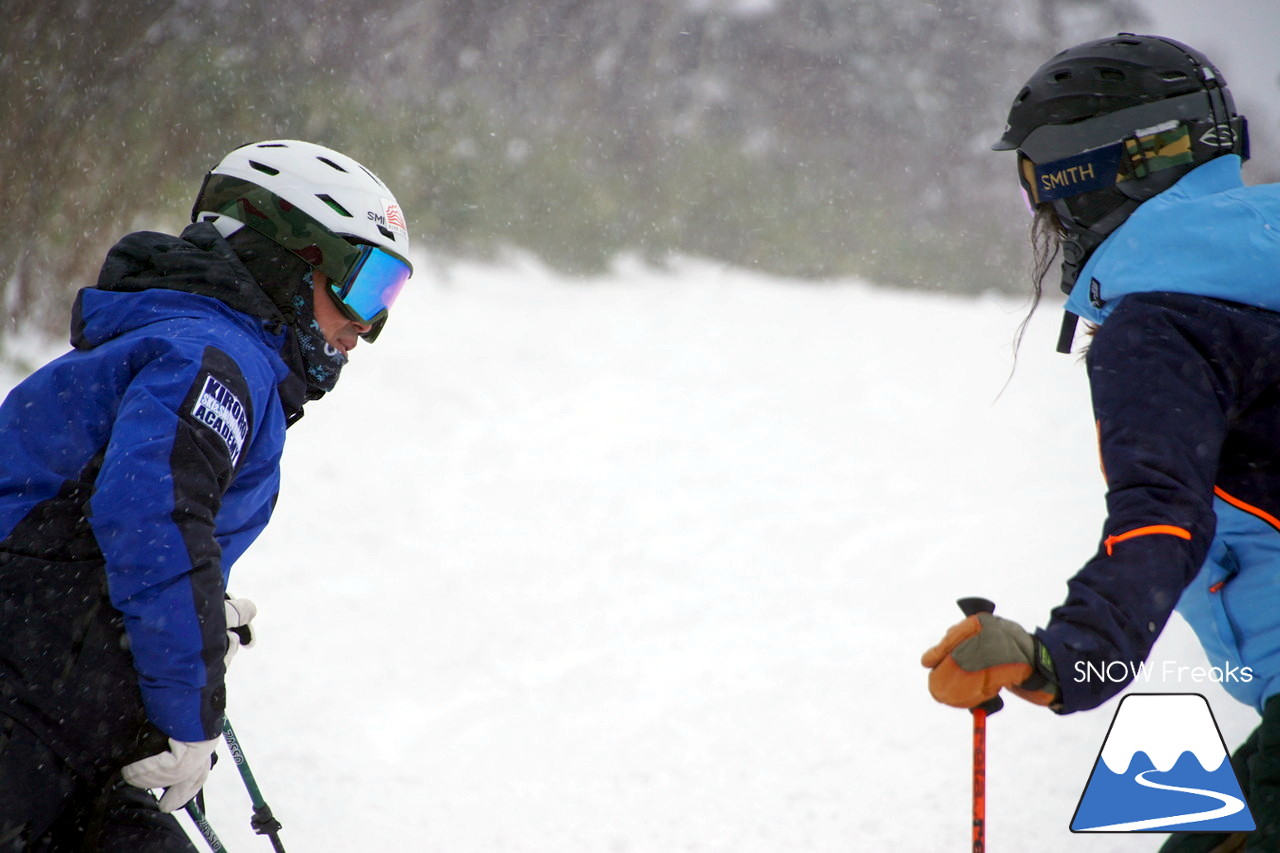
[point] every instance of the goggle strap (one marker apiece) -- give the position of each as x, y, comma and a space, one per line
1154, 150
1134, 157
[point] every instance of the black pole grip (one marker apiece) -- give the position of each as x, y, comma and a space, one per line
971, 607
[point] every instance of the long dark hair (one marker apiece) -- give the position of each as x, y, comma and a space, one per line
1046, 245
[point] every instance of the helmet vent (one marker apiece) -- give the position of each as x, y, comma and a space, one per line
337, 208
262, 167
330, 164
1061, 76
1112, 74
372, 175
386, 232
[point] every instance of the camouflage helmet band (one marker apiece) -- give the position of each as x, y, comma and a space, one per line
280, 222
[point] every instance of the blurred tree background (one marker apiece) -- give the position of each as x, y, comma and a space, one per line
808, 138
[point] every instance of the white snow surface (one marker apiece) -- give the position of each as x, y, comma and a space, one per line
646, 564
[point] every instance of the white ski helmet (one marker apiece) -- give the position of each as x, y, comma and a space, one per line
321, 205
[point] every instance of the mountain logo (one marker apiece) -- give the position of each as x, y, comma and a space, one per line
1163, 767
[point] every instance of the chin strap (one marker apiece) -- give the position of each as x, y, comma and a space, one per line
1067, 334
1077, 247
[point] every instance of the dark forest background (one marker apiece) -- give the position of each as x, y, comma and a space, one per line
808, 138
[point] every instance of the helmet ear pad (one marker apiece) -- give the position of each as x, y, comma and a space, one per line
279, 272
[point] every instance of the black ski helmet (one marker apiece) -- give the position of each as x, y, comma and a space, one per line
1106, 125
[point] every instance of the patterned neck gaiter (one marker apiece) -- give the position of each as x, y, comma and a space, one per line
323, 361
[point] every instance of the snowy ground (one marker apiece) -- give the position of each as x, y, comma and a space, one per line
646, 564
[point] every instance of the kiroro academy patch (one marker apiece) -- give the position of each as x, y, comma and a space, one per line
221, 411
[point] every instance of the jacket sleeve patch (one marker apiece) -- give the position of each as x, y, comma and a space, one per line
219, 409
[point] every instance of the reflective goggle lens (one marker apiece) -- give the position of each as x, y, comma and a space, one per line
372, 286
1026, 174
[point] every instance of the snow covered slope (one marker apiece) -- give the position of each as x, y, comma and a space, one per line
645, 564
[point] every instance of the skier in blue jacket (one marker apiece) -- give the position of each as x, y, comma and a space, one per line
138, 467
1129, 153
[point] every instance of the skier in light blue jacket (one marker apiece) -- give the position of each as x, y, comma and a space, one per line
1129, 152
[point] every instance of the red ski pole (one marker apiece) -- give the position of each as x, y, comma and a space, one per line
979, 780
970, 606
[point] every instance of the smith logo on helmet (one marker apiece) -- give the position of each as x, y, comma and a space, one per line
1219, 136
395, 219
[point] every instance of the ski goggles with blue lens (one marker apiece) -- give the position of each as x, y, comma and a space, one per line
364, 280
371, 285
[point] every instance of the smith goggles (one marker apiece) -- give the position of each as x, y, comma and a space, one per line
363, 279
1147, 150
371, 286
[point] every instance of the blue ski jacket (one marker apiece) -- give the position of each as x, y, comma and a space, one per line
143, 462
1184, 373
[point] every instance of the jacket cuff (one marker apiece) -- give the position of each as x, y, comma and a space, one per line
1076, 693
184, 713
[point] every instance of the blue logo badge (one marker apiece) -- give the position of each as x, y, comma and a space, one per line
1163, 768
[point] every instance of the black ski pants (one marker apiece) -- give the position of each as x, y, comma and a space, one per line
45, 807
1257, 766
71, 715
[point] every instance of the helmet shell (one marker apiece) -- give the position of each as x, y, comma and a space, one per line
1105, 125
1112, 74
303, 195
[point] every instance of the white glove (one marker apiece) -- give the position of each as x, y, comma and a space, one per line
240, 612
182, 771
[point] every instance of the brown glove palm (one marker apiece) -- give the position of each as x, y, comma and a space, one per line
983, 654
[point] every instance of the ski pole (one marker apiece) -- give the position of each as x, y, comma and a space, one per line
971, 606
202, 823
263, 822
